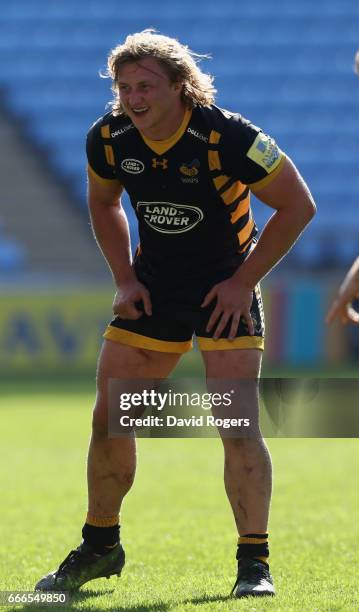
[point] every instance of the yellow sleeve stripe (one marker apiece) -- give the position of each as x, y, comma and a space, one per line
110, 158
214, 137
244, 234
214, 161
100, 179
219, 181
242, 209
269, 178
247, 248
233, 192
105, 131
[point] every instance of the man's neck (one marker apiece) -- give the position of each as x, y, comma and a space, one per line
167, 128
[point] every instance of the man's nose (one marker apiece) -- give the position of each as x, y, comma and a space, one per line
135, 99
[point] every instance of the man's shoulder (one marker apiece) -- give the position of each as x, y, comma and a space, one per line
223, 118
111, 126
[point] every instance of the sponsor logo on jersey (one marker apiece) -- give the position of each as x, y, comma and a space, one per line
160, 163
132, 166
197, 134
122, 130
265, 152
191, 169
169, 218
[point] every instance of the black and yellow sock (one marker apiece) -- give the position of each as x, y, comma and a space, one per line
253, 546
101, 533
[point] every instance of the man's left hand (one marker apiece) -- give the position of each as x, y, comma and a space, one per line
234, 301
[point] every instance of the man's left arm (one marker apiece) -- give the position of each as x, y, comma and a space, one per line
294, 207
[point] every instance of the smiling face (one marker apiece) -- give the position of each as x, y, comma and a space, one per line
150, 99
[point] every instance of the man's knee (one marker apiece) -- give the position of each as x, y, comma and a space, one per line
105, 428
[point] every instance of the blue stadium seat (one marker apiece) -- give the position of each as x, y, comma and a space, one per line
13, 256
285, 65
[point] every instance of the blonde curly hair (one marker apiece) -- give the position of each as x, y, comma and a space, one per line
180, 63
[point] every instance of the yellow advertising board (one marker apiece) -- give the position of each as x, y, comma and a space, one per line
45, 331
42, 331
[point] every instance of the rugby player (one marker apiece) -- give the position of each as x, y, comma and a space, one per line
341, 307
188, 167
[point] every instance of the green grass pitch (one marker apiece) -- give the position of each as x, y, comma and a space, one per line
177, 528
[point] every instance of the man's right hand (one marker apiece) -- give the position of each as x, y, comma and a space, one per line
126, 297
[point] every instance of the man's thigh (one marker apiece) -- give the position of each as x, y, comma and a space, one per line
122, 369
119, 360
235, 374
233, 364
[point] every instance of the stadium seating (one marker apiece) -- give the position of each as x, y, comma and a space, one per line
12, 256
287, 65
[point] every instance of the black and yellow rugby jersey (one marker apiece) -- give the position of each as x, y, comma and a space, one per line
191, 192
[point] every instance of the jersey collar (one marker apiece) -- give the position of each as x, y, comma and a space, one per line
161, 146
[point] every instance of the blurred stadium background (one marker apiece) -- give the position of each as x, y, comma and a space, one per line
286, 65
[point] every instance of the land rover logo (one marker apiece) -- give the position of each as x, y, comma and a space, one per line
169, 218
133, 166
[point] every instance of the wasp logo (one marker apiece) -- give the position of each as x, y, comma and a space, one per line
190, 169
160, 162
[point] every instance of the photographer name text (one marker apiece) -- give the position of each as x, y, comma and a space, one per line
173, 421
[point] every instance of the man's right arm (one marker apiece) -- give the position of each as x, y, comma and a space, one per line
110, 227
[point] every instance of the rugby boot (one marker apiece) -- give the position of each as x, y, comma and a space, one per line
82, 565
253, 579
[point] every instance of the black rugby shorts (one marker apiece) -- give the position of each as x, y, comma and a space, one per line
177, 316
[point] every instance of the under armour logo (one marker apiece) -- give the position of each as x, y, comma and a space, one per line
160, 162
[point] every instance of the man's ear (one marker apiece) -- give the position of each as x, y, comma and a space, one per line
177, 85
